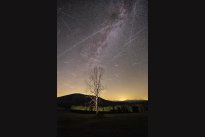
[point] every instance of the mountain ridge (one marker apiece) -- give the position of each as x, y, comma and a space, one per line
82, 99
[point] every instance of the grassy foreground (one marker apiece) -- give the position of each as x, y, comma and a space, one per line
110, 125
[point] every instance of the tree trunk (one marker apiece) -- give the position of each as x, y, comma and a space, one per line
96, 105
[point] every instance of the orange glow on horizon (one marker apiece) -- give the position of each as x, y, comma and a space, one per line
110, 96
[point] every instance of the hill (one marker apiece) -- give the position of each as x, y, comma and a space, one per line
81, 99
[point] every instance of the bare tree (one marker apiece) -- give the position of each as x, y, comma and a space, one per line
95, 86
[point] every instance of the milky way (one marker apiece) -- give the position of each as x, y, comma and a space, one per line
108, 33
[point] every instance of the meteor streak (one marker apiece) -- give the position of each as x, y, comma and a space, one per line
125, 45
83, 40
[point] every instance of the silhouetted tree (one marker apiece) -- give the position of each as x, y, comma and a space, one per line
118, 109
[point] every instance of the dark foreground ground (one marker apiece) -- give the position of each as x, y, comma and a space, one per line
111, 125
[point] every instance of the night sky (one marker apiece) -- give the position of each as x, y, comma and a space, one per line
112, 34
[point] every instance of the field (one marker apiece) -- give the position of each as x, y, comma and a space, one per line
109, 125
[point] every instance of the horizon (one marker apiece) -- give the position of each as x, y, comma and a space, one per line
105, 98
